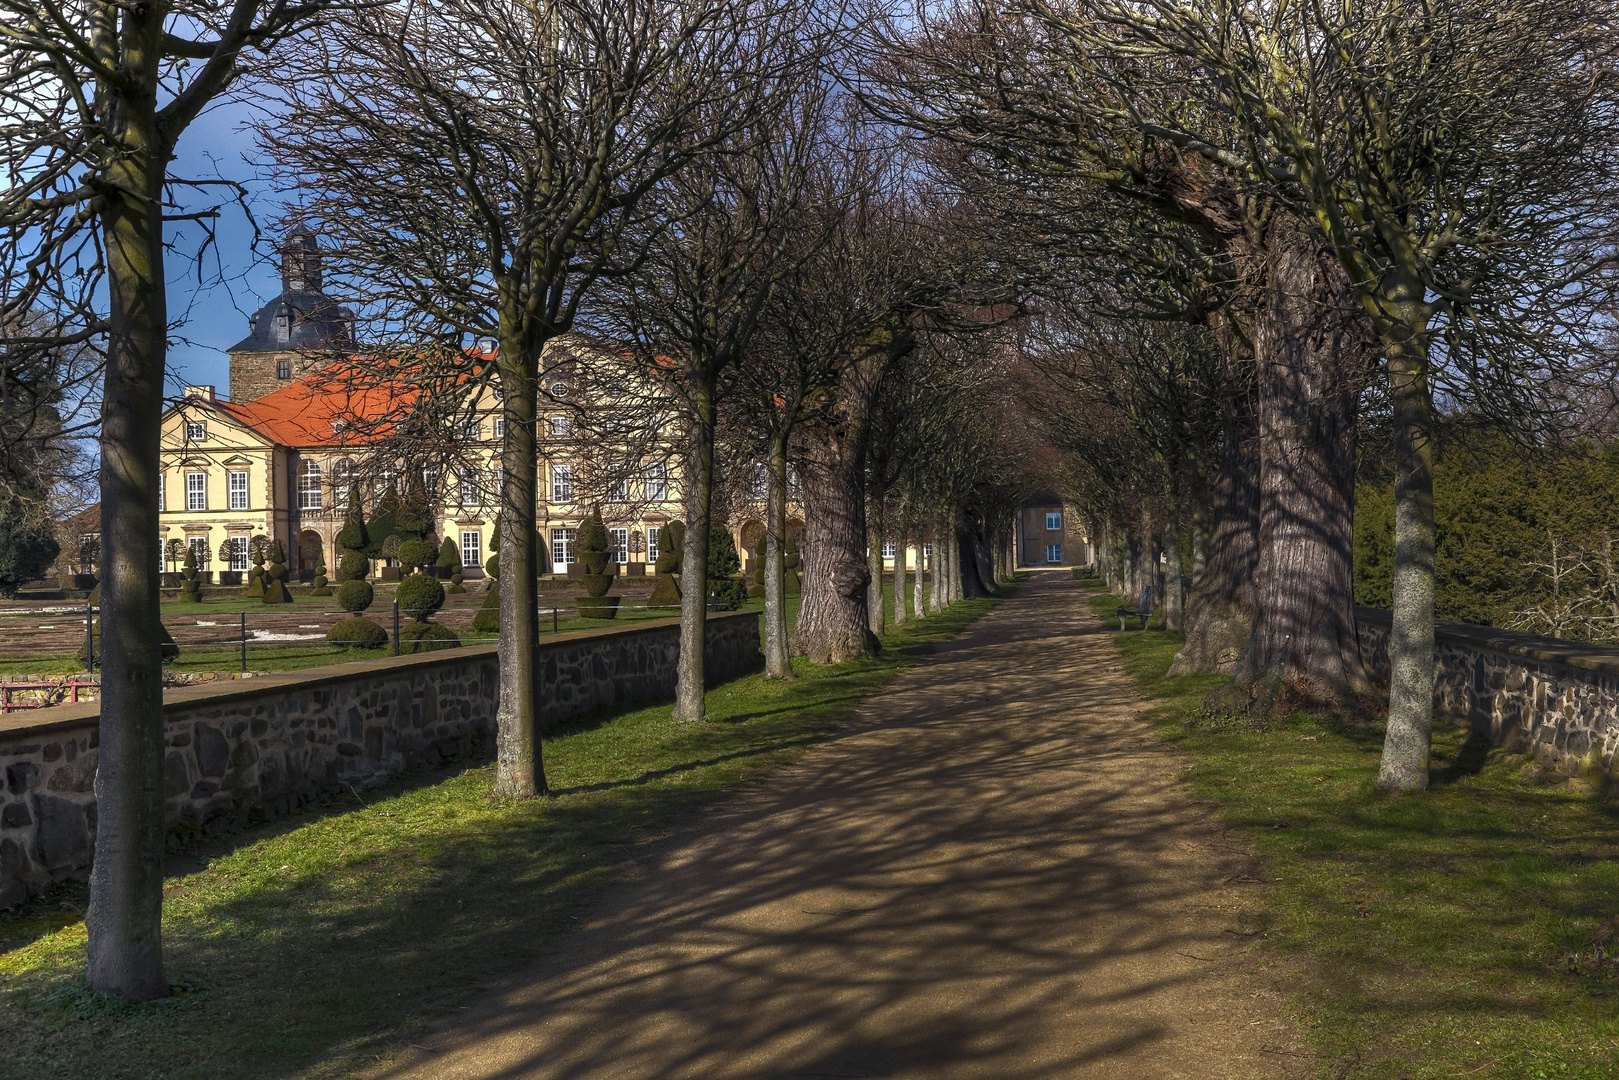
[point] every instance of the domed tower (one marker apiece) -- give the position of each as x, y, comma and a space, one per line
296, 332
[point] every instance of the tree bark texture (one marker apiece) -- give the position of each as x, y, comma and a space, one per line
901, 556
126, 880
1407, 743
777, 663
936, 566
918, 587
875, 613
1311, 352
833, 623
689, 675
1174, 584
519, 765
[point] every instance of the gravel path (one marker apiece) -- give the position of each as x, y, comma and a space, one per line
993, 873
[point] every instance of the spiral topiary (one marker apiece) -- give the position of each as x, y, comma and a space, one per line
791, 585
356, 632
671, 550
321, 588
190, 588
256, 548
593, 554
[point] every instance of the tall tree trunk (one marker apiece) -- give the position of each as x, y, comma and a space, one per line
832, 620
936, 566
777, 664
126, 877
1311, 352
918, 597
1200, 547
1408, 741
689, 676
519, 767
875, 613
954, 585
901, 556
1220, 608
1174, 584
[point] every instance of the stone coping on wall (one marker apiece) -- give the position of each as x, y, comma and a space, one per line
1545, 650
60, 718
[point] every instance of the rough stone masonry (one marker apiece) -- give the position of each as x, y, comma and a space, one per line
257, 749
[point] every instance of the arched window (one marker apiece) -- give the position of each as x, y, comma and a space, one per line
309, 485
342, 480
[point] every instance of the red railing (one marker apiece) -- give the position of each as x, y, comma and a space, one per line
68, 689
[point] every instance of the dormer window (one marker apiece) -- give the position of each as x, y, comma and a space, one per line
196, 431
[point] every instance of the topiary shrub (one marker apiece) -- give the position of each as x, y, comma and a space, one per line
449, 559
727, 594
593, 555
257, 548
320, 588
420, 596
757, 578
355, 595
426, 637
353, 566
487, 620
354, 536
357, 632
671, 549
275, 578
791, 585
726, 590
415, 554
190, 587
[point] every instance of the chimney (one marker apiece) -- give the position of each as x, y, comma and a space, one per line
204, 392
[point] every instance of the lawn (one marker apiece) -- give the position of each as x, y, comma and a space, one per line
1461, 932
335, 937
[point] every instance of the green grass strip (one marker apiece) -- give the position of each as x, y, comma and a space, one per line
1453, 933
330, 940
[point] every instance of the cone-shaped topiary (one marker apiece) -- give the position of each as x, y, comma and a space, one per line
414, 518
275, 578
593, 554
671, 550
257, 547
353, 566
354, 535
449, 565
419, 596
726, 590
321, 588
487, 620
383, 523
190, 588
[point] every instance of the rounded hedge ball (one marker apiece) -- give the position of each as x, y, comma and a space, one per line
355, 595
357, 633
425, 637
419, 596
353, 566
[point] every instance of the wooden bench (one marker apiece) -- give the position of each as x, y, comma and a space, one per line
1142, 610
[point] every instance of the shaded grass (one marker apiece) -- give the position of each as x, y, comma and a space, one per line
1439, 925
330, 942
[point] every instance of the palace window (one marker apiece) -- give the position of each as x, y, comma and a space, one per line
618, 541
500, 428
161, 501
559, 390
342, 480
562, 546
238, 553
196, 491
795, 483
652, 544
283, 368
888, 549
1053, 553
309, 486
618, 486
199, 550
236, 490
196, 431
1053, 522
758, 484
562, 483
657, 482
471, 547
470, 495
559, 426
471, 430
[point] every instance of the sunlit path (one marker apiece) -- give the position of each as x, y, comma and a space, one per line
994, 873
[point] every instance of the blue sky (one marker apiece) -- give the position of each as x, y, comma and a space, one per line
235, 279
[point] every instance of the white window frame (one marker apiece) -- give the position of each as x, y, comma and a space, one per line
500, 427
618, 545
196, 493
471, 547
562, 542
309, 479
562, 483
471, 489
652, 543
196, 431
1053, 554
198, 545
342, 480
238, 553
236, 497
888, 549
560, 427
1053, 521
162, 484
472, 429
618, 486
656, 482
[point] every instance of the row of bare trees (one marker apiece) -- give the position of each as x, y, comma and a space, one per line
768, 270
1388, 205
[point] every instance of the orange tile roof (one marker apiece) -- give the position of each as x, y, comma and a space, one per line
304, 413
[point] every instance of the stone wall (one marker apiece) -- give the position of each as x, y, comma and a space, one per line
253, 750
1555, 700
